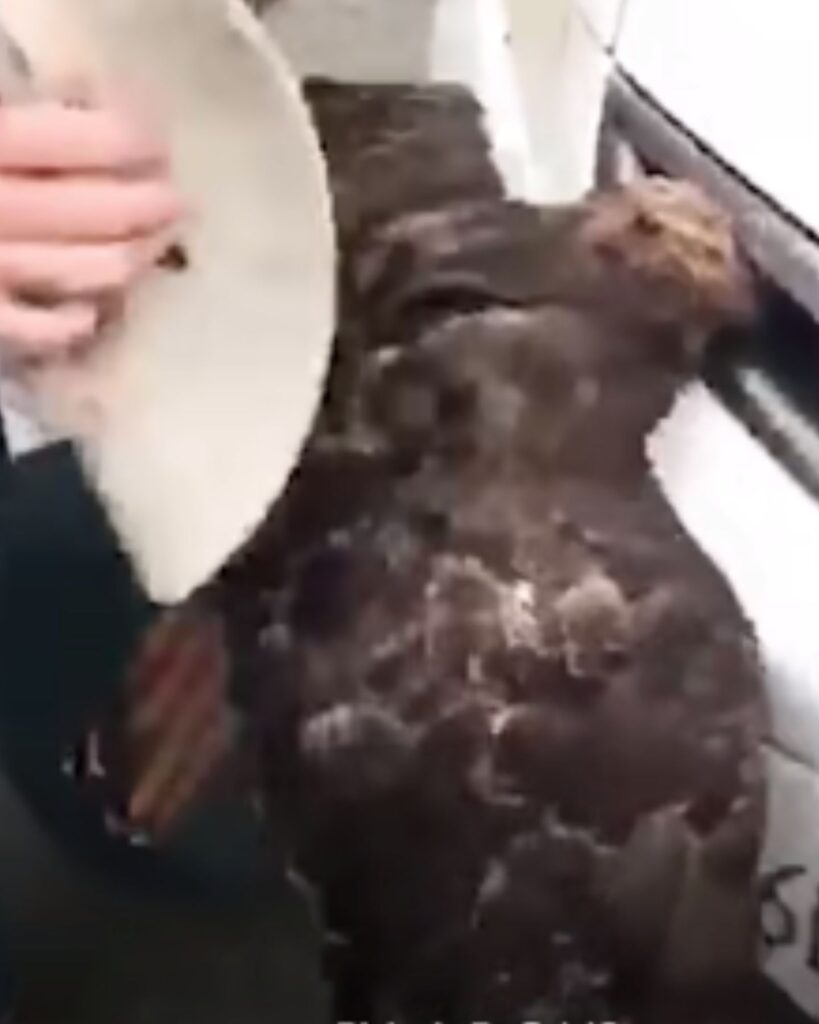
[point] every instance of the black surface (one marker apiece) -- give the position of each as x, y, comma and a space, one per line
208, 930
768, 378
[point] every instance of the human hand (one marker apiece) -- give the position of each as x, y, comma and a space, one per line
86, 206
180, 724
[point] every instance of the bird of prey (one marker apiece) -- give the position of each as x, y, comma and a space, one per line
506, 711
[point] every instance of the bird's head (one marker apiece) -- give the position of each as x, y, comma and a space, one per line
660, 253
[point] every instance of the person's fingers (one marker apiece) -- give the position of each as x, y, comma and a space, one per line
29, 330
64, 271
180, 722
158, 647
183, 657
179, 753
212, 748
84, 209
51, 136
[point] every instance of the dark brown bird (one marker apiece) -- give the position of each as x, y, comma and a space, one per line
508, 710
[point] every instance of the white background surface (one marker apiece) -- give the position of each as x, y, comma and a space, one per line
793, 843
744, 76
602, 16
561, 69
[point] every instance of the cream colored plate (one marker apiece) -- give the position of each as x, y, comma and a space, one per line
190, 417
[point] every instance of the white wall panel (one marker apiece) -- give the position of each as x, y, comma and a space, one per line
744, 76
603, 17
